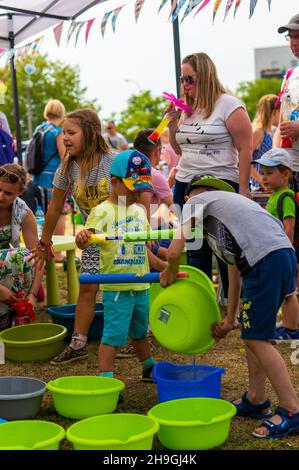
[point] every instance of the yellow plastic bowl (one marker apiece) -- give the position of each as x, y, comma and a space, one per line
193, 423
121, 431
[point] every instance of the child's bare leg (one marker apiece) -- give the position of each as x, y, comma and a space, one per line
85, 308
275, 369
106, 357
290, 312
142, 348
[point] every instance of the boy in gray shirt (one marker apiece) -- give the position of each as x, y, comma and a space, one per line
252, 242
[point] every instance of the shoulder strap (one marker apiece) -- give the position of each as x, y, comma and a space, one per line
280, 204
287, 76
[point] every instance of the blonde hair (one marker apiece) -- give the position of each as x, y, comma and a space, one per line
264, 110
17, 170
92, 141
208, 86
54, 109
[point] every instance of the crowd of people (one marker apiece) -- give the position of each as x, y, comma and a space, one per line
215, 159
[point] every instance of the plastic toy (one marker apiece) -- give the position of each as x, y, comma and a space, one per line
123, 278
24, 312
180, 104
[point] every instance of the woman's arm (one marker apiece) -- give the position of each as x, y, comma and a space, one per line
60, 146
173, 115
239, 127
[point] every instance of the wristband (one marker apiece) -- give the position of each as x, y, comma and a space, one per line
156, 248
46, 247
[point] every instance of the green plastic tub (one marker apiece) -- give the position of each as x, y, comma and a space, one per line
81, 397
30, 435
193, 423
33, 342
121, 431
181, 317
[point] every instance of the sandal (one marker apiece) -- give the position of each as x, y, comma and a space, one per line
250, 410
289, 423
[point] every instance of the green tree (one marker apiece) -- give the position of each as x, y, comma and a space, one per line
51, 80
143, 111
251, 92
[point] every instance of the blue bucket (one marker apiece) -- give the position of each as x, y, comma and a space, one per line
185, 381
3, 421
65, 315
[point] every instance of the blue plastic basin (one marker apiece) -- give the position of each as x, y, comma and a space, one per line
185, 381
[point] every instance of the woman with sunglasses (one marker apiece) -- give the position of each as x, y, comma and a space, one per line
16, 265
215, 139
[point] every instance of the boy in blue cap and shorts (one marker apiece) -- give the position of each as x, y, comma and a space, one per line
256, 248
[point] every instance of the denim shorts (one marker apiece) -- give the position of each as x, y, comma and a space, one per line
265, 286
126, 315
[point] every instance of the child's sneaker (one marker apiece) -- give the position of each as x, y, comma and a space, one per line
70, 355
283, 335
126, 352
147, 375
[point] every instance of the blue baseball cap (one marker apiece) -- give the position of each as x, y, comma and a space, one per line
135, 170
275, 157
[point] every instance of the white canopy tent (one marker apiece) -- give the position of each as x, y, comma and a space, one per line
19, 20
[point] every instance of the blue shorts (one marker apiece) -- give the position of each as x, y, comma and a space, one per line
125, 314
265, 287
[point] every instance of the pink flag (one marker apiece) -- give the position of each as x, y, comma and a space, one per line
138, 6
202, 6
237, 6
57, 33
88, 26
229, 4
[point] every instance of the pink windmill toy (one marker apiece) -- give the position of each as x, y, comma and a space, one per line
180, 104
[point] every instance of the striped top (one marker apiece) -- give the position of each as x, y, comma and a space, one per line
97, 183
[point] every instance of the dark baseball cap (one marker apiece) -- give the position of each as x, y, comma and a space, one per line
293, 25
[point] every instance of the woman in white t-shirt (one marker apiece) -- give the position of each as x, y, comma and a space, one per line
216, 139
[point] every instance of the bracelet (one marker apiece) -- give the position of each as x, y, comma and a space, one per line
46, 247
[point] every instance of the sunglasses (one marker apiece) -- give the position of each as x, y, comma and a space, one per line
12, 177
187, 79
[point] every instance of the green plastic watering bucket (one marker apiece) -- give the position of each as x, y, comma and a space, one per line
181, 316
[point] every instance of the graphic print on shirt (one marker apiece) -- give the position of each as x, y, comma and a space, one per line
221, 240
90, 196
204, 139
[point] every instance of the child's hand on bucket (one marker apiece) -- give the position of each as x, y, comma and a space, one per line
167, 277
221, 329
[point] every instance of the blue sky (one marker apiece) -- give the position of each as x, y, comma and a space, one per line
143, 53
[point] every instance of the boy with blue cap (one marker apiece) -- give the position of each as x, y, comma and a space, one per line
277, 166
126, 306
256, 248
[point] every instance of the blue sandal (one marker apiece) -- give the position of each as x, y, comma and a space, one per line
289, 423
249, 410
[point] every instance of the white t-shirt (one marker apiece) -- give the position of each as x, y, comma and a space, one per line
292, 87
206, 144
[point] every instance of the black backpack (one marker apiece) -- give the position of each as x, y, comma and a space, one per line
280, 214
35, 152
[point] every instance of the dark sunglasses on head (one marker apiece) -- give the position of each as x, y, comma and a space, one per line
187, 79
11, 176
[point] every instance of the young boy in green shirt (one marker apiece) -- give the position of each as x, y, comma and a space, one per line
276, 165
126, 306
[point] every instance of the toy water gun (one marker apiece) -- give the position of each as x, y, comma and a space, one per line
24, 312
180, 104
167, 234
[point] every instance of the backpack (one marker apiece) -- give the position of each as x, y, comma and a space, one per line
280, 214
6, 148
35, 152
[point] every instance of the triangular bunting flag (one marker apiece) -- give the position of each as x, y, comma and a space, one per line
252, 7
202, 6
162, 5
238, 2
138, 6
269, 4
88, 26
115, 16
173, 7
176, 12
229, 4
71, 31
104, 21
57, 33
80, 26
192, 4
216, 6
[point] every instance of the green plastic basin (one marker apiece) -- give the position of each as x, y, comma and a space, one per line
81, 397
121, 431
193, 423
33, 342
181, 317
30, 435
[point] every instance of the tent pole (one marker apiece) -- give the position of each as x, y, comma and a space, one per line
177, 53
15, 98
